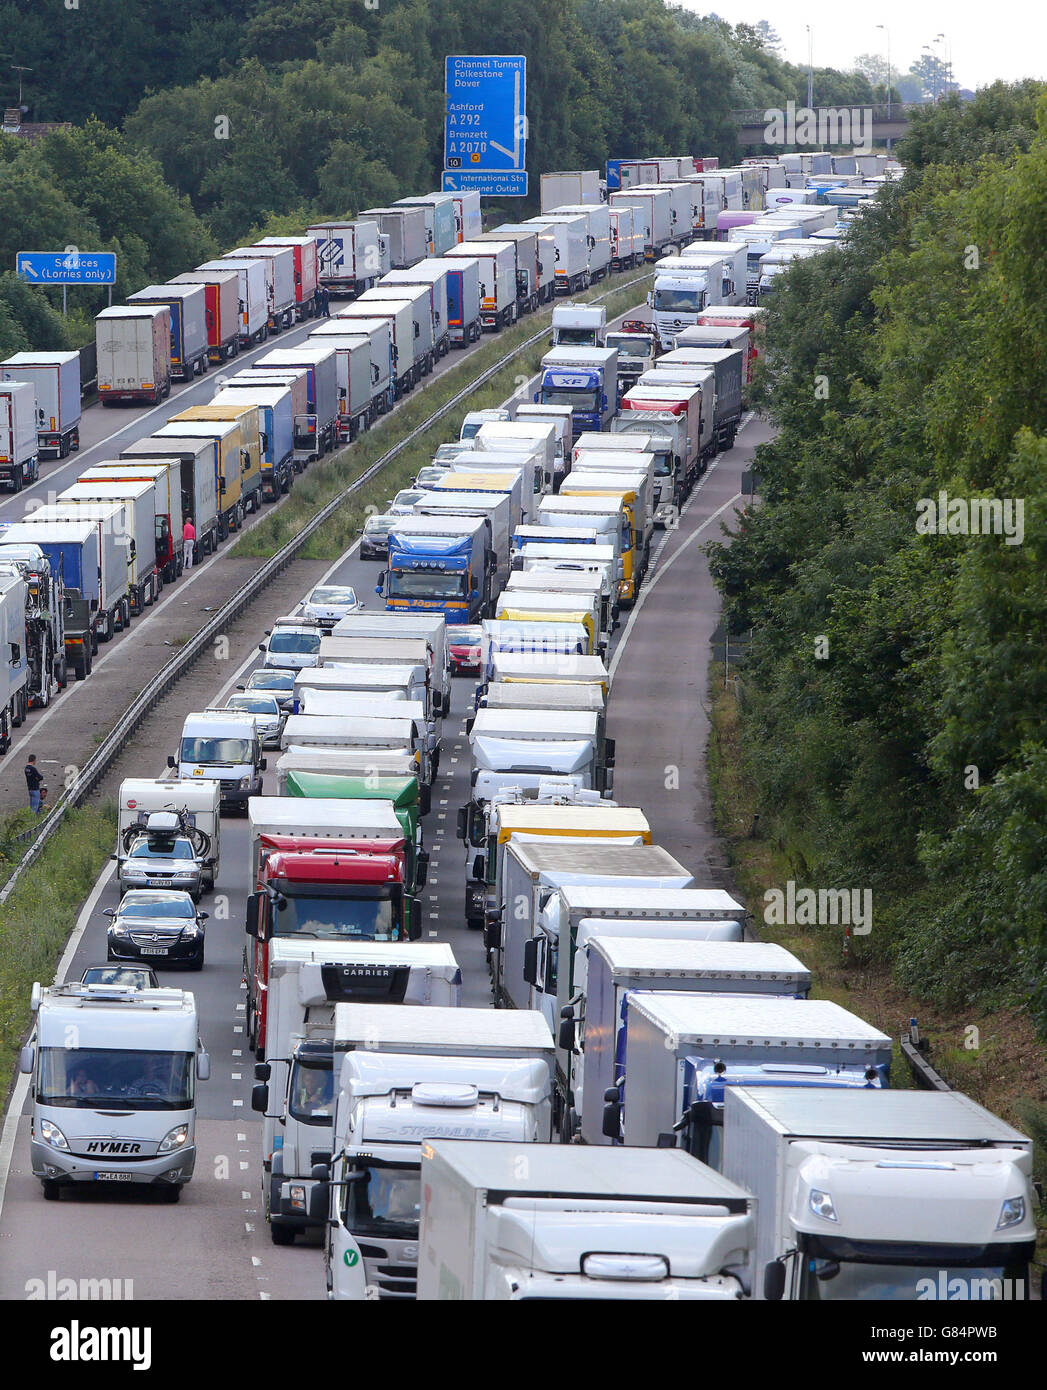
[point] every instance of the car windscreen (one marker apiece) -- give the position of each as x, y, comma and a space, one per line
161, 847
134, 905
295, 643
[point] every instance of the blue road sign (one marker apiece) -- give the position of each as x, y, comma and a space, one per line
485, 124
67, 267
489, 183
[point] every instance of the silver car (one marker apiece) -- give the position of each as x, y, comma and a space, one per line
330, 602
269, 718
271, 680
158, 860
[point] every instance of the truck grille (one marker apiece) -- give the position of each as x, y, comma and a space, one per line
393, 1281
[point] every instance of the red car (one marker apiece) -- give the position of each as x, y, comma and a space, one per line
463, 644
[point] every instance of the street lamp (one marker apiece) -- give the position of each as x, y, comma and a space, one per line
946, 60
888, 34
17, 67
810, 67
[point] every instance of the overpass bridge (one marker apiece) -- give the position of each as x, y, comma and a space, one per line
766, 128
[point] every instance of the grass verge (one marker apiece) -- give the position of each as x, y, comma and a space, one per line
324, 482
41, 912
1005, 1069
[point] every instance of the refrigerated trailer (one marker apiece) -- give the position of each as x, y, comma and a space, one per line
55, 377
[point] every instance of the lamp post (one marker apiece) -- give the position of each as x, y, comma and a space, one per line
810, 67
887, 32
17, 67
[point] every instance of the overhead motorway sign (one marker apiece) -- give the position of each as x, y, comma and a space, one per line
485, 121
67, 267
491, 183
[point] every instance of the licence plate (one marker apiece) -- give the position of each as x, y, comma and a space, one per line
115, 1177
158, 882
153, 950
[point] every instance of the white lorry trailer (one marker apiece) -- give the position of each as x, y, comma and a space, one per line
899, 1195
19, 439
570, 186
134, 354
294, 1091
114, 1075
412, 1075
577, 1223
682, 1051
55, 377
618, 966
349, 258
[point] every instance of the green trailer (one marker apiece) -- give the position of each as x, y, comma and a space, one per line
402, 792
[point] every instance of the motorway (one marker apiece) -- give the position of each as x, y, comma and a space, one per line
215, 1244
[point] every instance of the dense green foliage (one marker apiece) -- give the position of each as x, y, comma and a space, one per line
909, 755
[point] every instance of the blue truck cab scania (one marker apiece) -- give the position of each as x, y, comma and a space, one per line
584, 378
440, 564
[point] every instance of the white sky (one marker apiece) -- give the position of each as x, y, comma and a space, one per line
1006, 41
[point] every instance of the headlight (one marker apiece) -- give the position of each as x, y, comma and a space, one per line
822, 1205
135, 873
296, 1196
193, 929
1012, 1213
173, 1139
52, 1135
245, 784
187, 875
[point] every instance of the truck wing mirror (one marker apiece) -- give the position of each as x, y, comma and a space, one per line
262, 1071
320, 1196
253, 913
612, 1114
774, 1281
260, 1098
530, 960
480, 869
422, 868
566, 1037
425, 799
609, 745
462, 825
27, 1059
263, 764
414, 923
170, 761
493, 929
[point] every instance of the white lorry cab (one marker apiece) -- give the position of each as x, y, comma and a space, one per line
114, 1071
224, 748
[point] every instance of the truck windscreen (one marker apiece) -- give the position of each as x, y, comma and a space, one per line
365, 913
576, 337
92, 1078
427, 584
312, 1092
577, 400
678, 301
216, 750
387, 1202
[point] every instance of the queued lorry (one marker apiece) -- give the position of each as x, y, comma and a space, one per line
430, 626
408, 1076
86, 550
113, 1083
570, 248
19, 440
371, 307
679, 1053
163, 477
460, 277
577, 1223
655, 211
899, 1195
134, 354
329, 868
617, 967
579, 325
252, 299
295, 1090
678, 412
627, 240
275, 430
682, 289
231, 460
653, 454
45, 636
194, 476
136, 528
418, 302
499, 306
222, 300
357, 406
55, 378
187, 306
441, 227
597, 219
14, 681
405, 226
306, 264
535, 261
440, 563
321, 368
728, 368
570, 186
434, 281
349, 257
586, 379
280, 294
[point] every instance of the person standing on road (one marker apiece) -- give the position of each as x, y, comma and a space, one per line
188, 543
325, 302
33, 779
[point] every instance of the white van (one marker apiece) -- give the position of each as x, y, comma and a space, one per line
225, 748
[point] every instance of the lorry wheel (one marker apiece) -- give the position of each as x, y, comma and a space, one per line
61, 672
52, 1190
17, 479
282, 1234
80, 669
17, 711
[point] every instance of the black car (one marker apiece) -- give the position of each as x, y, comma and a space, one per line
374, 541
157, 925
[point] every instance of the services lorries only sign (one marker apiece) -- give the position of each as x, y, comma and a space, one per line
485, 124
70, 267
